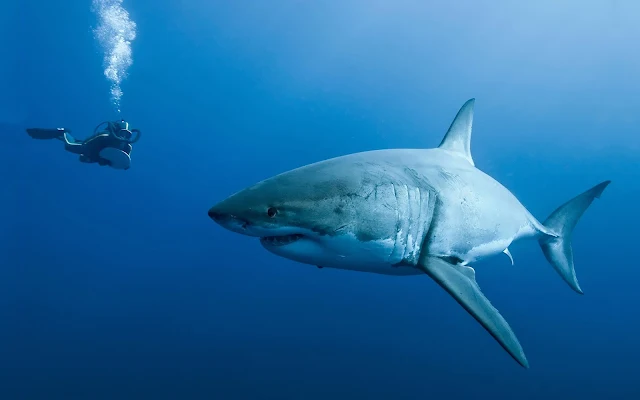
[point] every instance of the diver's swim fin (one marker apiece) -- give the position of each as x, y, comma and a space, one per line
40, 133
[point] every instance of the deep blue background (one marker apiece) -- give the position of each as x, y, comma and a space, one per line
115, 284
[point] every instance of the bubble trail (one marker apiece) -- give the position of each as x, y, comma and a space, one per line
114, 33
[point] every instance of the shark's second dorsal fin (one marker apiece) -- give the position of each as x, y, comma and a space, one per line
458, 137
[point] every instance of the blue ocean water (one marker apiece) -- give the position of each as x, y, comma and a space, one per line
115, 284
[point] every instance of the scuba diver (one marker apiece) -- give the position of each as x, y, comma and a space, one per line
109, 145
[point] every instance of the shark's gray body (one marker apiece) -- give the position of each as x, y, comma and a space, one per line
404, 212
402, 200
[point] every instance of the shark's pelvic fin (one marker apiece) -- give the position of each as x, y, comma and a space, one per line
558, 249
508, 253
459, 281
458, 137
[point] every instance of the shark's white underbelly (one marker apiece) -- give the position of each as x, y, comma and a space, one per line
383, 269
348, 253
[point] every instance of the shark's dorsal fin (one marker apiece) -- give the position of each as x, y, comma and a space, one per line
458, 137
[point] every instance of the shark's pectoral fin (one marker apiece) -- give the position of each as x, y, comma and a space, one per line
460, 282
508, 253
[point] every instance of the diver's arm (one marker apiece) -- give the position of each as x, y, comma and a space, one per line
136, 137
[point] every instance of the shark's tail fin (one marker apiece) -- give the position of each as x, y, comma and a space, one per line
557, 249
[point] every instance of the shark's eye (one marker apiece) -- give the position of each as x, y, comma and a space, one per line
271, 212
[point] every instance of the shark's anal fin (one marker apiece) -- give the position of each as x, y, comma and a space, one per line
459, 281
458, 137
508, 253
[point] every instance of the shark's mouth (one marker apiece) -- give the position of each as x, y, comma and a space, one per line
280, 240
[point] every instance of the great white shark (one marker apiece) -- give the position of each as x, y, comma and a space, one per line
405, 212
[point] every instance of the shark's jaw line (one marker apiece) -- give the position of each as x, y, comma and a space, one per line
280, 240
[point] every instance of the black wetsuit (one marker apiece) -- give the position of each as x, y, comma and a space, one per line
90, 148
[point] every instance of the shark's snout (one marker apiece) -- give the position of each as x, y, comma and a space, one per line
216, 215
228, 220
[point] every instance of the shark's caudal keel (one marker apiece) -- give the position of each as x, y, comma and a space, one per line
405, 212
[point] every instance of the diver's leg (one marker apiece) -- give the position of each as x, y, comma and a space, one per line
73, 145
76, 148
